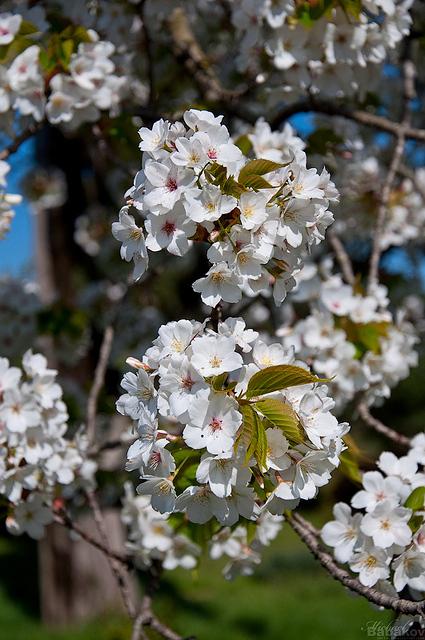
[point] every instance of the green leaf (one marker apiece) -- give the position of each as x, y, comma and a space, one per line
369, 334
415, 523
182, 454
366, 336
349, 467
416, 500
261, 448
251, 531
244, 144
67, 50
282, 416
77, 33
44, 60
27, 28
308, 11
353, 7
279, 377
257, 168
187, 477
257, 183
232, 188
217, 382
8, 52
216, 174
252, 436
247, 430
248, 434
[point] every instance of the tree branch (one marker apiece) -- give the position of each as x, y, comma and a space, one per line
310, 538
382, 428
334, 109
20, 139
63, 519
117, 568
99, 378
146, 617
342, 257
188, 51
409, 94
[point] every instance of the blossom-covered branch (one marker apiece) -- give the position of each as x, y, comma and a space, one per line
400, 605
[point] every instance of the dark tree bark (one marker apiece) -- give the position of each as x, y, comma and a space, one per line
75, 580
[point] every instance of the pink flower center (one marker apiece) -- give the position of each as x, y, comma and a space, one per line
187, 383
216, 424
23, 68
155, 459
169, 228
212, 154
4, 31
171, 184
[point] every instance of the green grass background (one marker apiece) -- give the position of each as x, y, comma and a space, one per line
290, 597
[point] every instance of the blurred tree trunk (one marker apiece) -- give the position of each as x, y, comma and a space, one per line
75, 579
76, 582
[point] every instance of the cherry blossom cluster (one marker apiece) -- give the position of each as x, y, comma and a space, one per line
196, 184
39, 466
244, 553
353, 338
359, 178
336, 53
87, 84
7, 200
114, 19
222, 437
151, 537
382, 535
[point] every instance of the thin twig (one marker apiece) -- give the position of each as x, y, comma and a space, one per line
99, 378
357, 115
342, 257
382, 428
146, 617
20, 139
117, 568
310, 539
409, 94
64, 520
137, 632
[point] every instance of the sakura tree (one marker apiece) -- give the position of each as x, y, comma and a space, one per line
232, 270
